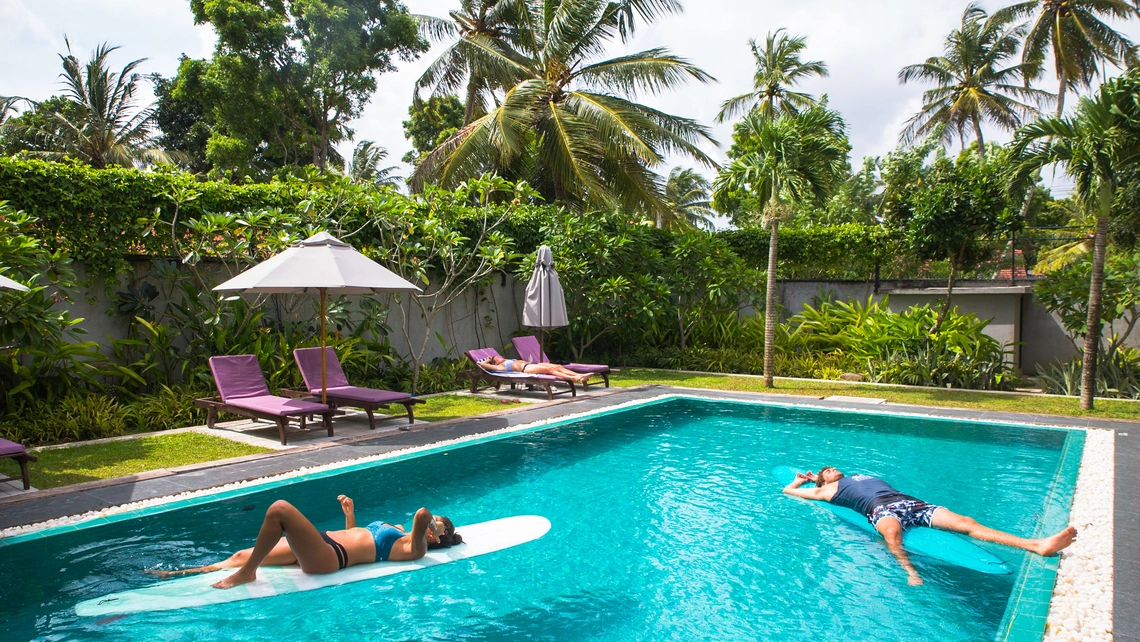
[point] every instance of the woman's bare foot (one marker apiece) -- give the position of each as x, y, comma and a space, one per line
914, 580
241, 577
1052, 545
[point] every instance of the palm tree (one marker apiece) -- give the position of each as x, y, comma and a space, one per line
1095, 146
791, 160
367, 157
564, 122
971, 87
687, 200
476, 21
778, 69
1077, 36
100, 125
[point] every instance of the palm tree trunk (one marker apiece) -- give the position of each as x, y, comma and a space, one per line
770, 307
1061, 93
472, 95
981, 140
1096, 290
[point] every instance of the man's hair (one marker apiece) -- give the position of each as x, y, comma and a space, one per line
819, 476
449, 538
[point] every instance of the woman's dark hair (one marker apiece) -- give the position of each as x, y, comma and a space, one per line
449, 538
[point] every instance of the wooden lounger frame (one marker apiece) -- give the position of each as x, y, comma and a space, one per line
334, 402
22, 459
477, 375
214, 405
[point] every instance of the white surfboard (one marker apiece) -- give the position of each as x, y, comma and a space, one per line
195, 590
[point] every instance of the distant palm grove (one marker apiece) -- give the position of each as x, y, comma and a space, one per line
527, 101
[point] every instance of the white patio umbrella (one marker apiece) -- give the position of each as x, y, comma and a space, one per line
5, 282
545, 305
321, 263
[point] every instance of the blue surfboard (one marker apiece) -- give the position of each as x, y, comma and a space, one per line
940, 545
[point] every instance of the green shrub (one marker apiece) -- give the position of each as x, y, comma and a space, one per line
75, 417
1117, 377
171, 407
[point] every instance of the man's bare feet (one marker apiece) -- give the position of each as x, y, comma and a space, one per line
1052, 545
241, 577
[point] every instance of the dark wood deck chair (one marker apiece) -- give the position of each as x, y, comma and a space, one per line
340, 394
12, 450
546, 382
244, 393
529, 350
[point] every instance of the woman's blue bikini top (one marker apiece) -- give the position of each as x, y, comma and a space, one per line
384, 535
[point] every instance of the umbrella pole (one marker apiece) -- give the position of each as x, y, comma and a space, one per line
324, 384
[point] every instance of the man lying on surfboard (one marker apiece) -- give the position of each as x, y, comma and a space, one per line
319, 552
890, 512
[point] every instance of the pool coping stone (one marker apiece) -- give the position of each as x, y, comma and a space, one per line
40, 506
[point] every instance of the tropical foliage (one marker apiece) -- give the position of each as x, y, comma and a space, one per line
971, 85
1096, 146
1076, 34
780, 162
778, 69
566, 122
96, 120
688, 201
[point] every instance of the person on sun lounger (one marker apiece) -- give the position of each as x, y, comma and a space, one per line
320, 552
890, 512
499, 364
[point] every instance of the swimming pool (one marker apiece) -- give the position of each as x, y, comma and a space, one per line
666, 525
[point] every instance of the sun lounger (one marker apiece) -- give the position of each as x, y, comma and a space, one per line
12, 450
529, 349
546, 382
339, 393
244, 393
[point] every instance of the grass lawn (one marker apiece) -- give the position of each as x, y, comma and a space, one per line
444, 407
971, 399
88, 462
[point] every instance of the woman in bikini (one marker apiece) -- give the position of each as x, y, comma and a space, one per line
320, 552
499, 364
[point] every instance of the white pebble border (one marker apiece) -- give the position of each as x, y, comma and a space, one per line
1081, 609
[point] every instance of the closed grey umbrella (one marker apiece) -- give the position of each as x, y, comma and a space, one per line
545, 305
5, 282
321, 263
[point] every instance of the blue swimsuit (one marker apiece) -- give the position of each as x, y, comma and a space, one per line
384, 535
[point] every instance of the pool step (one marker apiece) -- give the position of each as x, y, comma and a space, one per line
865, 400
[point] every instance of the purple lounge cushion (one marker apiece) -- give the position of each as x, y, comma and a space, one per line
238, 376
587, 367
529, 349
309, 362
11, 448
479, 354
278, 406
365, 395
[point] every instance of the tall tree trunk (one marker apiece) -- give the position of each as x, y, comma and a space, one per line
1061, 93
472, 96
949, 290
1096, 290
660, 220
981, 140
770, 302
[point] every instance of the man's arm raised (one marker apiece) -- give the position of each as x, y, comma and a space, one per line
818, 493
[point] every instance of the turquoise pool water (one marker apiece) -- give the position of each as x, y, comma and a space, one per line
666, 526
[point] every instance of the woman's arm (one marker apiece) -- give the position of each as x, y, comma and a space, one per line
349, 511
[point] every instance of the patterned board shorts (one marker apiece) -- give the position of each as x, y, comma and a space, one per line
909, 512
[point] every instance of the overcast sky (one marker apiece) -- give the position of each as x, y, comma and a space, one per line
863, 42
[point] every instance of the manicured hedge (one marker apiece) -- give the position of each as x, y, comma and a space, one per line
838, 252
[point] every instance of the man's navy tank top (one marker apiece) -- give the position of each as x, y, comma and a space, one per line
863, 493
